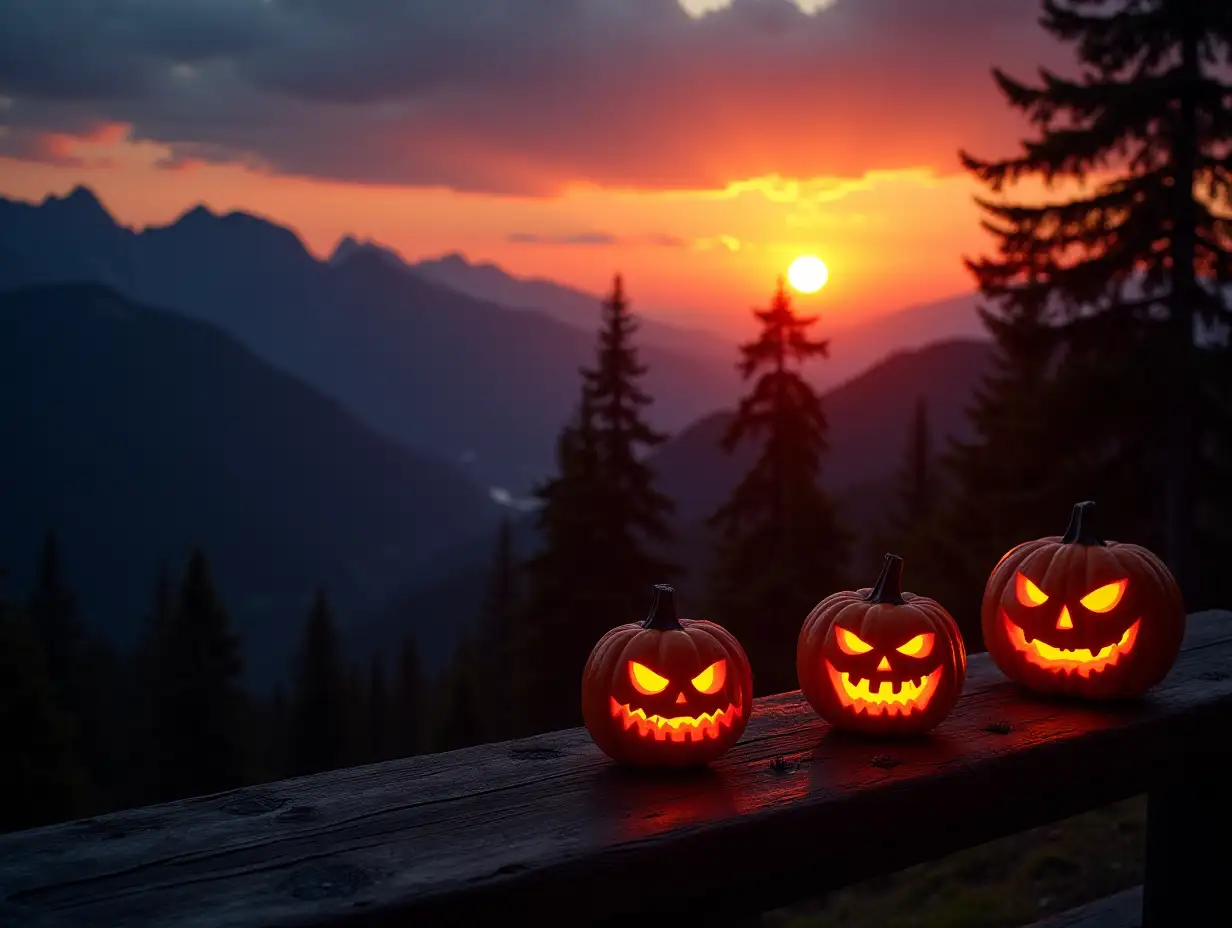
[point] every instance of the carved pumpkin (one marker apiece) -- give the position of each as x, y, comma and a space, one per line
881, 661
666, 692
1076, 615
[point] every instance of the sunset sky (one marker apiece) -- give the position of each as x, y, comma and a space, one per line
696, 145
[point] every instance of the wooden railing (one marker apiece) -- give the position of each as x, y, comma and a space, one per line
547, 829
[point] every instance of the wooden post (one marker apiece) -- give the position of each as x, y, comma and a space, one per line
1188, 856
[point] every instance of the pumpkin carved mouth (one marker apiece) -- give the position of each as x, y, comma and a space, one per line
1082, 661
676, 728
890, 698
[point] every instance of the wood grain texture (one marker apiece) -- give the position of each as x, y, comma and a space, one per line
548, 826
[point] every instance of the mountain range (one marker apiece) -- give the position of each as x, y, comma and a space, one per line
424, 353
137, 434
349, 422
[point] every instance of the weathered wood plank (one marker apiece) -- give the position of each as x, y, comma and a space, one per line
547, 825
1121, 910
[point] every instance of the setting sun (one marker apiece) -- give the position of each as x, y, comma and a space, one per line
808, 273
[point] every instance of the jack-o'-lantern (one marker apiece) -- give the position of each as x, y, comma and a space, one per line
666, 692
1076, 615
881, 661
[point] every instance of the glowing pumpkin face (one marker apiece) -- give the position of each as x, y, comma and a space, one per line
1073, 614
881, 661
666, 692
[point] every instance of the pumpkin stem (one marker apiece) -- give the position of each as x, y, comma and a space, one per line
663, 616
1081, 529
889, 588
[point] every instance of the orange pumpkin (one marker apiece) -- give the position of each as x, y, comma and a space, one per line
881, 661
667, 692
1076, 615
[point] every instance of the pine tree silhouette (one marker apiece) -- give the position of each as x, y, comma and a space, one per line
41, 780
1121, 270
318, 738
635, 515
500, 674
409, 713
601, 523
85, 678
782, 546
200, 737
1009, 480
461, 717
917, 483
380, 729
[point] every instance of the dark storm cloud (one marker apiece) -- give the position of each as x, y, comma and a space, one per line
521, 96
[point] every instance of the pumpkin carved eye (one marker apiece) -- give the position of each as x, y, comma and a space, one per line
1105, 598
645, 680
919, 646
711, 680
1029, 594
850, 643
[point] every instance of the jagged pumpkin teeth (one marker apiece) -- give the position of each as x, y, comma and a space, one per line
666, 692
881, 661
1074, 614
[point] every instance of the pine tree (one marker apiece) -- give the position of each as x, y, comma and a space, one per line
200, 736
917, 497
40, 778
500, 674
1124, 269
917, 484
410, 709
782, 546
276, 746
1009, 482
52, 609
152, 648
635, 514
318, 738
85, 677
460, 721
601, 523
380, 729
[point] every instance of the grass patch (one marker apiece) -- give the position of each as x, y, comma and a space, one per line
1005, 883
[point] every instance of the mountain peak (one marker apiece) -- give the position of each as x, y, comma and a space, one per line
349, 247
196, 214
81, 204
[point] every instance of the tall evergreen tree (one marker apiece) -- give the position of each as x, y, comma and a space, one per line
40, 778
1125, 269
917, 484
410, 711
84, 674
499, 673
152, 648
635, 514
460, 719
380, 728
318, 737
1008, 483
200, 736
601, 525
782, 545
52, 610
